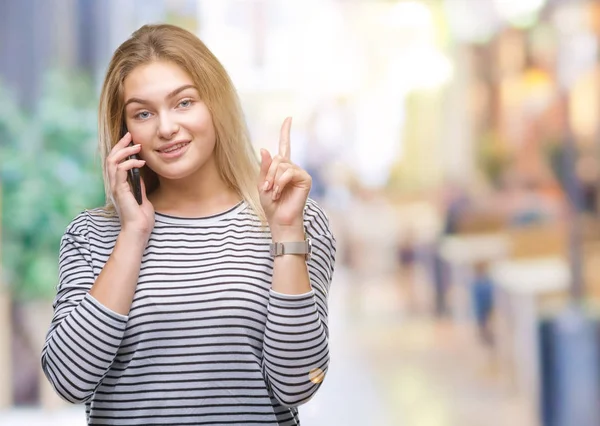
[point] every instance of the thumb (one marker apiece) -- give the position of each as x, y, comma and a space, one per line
265, 163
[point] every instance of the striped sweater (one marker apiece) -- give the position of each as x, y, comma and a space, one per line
206, 341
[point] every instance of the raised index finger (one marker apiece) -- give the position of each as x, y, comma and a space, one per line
284, 139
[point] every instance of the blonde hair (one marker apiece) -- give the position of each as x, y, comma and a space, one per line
236, 159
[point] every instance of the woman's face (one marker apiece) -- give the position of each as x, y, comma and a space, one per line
165, 115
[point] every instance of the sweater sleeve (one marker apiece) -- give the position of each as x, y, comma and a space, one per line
84, 335
296, 342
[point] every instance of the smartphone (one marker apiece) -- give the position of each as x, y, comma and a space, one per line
133, 174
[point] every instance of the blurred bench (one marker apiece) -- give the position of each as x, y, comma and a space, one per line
535, 275
529, 266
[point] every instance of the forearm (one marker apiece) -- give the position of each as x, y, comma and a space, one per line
116, 284
80, 348
296, 350
89, 324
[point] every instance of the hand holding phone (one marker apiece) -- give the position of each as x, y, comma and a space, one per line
134, 173
124, 179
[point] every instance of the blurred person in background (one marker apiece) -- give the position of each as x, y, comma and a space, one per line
407, 262
207, 302
455, 205
588, 173
482, 297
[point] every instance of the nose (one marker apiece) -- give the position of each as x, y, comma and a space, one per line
167, 127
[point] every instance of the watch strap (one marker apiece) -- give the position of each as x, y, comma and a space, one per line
294, 247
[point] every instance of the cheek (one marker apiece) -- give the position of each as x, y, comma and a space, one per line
201, 123
143, 136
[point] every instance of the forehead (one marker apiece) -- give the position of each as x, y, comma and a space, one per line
155, 79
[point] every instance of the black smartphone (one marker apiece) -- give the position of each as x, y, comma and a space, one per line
134, 174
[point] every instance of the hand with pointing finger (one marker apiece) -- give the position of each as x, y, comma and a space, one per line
283, 186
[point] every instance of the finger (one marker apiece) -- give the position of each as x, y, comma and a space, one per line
124, 141
282, 181
123, 168
291, 175
283, 167
118, 155
265, 163
284, 139
130, 164
272, 173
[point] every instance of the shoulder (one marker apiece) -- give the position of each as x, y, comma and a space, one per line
91, 219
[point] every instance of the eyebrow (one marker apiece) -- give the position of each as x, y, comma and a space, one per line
170, 95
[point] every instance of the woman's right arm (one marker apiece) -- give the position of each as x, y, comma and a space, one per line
116, 284
90, 315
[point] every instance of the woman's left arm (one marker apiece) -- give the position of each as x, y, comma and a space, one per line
296, 342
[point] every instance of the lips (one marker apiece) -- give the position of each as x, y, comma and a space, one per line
174, 150
172, 147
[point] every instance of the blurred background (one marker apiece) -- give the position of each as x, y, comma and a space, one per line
454, 144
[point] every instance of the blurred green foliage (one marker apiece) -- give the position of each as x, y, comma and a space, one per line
49, 172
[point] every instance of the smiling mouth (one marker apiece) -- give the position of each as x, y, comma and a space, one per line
173, 148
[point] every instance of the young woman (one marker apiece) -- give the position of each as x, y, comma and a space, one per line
206, 304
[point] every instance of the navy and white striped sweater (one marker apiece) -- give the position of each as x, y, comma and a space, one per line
206, 342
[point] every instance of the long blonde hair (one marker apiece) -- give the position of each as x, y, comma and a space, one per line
236, 159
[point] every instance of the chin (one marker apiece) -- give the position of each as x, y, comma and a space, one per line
178, 171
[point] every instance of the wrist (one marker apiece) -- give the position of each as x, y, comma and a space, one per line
133, 238
287, 233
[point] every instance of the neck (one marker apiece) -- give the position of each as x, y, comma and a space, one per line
202, 194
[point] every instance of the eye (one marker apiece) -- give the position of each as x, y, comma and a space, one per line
142, 115
185, 103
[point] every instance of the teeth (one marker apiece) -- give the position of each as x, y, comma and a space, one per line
175, 147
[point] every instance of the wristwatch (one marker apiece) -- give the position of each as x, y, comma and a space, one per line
298, 247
